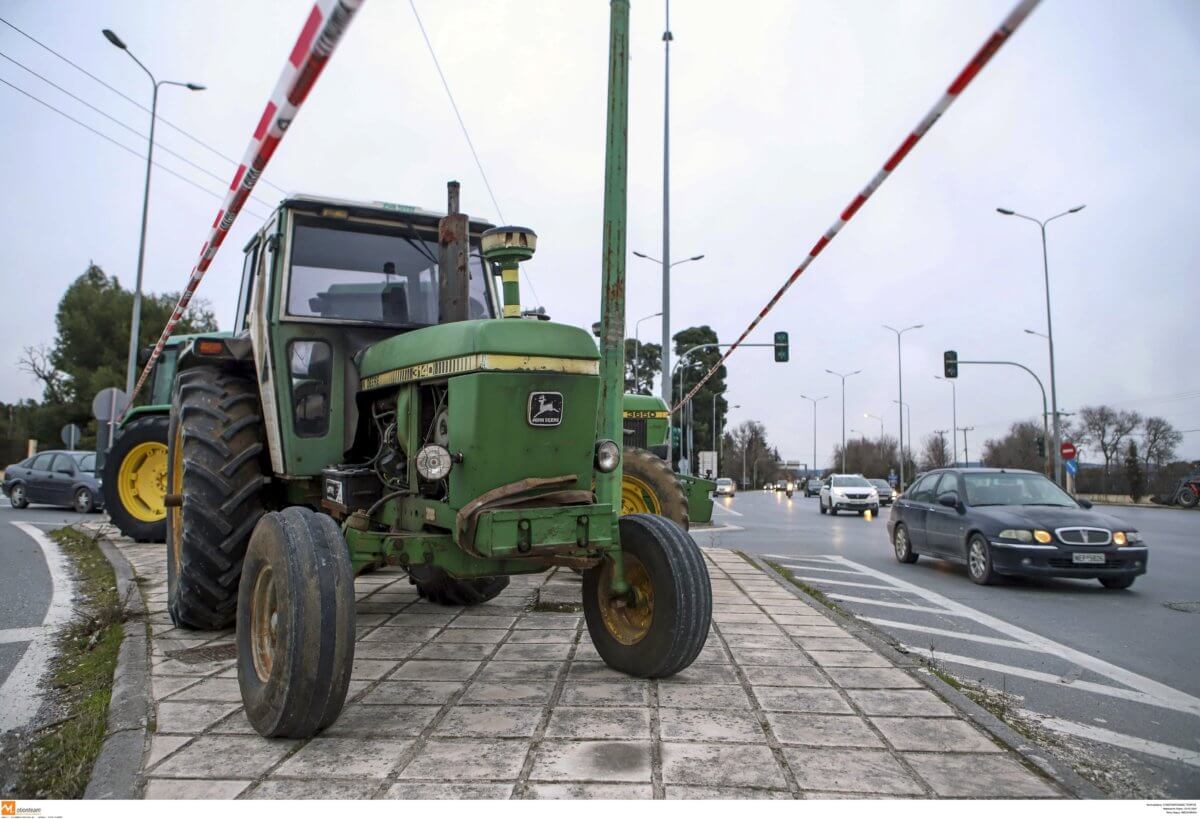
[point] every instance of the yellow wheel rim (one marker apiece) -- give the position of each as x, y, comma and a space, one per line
175, 487
627, 619
142, 481
637, 496
264, 620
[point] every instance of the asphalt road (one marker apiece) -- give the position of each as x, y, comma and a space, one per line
1118, 672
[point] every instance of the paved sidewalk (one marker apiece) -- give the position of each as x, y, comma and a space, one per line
497, 701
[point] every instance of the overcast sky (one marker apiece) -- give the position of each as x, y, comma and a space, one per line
781, 111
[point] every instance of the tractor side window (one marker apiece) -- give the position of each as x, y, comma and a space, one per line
242, 320
311, 369
164, 374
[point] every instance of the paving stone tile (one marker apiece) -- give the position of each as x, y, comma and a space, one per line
548, 620
798, 616
312, 789
710, 726
500, 671
872, 678
702, 695
517, 652
701, 673
817, 629
978, 775
701, 792
486, 636
346, 758
762, 641
162, 746
174, 668
447, 760
483, 621
567, 722
594, 672
716, 765
191, 717
829, 643
628, 693
850, 771
365, 669
747, 617
489, 721
384, 650
755, 629
194, 788
400, 634
849, 659
901, 703
542, 636
769, 656
790, 676
536, 692
235, 723
420, 618
164, 687
823, 730
587, 790
448, 790
922, 734
412, 693
452, 651
225, 757
359, 720
713, 653
430, 670
812, 700
599, 761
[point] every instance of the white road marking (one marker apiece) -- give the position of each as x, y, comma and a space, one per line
817, 558
1054, 679
20, 695
957, 635
1185, 756
817, 569
1170, 697
845, 598
844, 583
20, 635
726, 509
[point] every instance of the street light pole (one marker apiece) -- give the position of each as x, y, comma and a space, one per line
136, 319
814, 409
880, 420
637, 345
843, 377
1058, 464
666, 240
954, 411
905, 407
666, 311
900, 381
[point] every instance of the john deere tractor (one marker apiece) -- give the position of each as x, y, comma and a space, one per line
648, 484
378, 404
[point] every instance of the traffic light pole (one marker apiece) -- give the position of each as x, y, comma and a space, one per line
1045, 408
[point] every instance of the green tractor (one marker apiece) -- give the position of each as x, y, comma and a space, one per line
648, 484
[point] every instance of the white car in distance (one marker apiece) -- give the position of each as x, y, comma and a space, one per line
848, 493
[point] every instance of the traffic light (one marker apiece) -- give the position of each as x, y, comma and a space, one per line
676, 438
1041, 445
781, 346
950, 361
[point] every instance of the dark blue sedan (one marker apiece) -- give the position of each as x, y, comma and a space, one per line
1013, 522
58, 478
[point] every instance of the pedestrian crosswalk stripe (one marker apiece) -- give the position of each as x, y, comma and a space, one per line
957, 635
1130, 743
845, 598
828, 582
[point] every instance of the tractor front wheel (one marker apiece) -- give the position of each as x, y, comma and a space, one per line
661, 626
437, 586
1188, 497
135, 479
215, 468
295, 624
648, 486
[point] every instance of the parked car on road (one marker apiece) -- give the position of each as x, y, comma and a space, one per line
812, 487
849, 493
887, 493
57, 478
1012, 521
725, 486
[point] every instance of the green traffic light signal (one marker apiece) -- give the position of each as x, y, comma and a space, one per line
781, 346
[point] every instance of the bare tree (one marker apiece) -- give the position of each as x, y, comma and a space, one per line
1107, 429
37, 362
936, 452
1160, 439
1018, 448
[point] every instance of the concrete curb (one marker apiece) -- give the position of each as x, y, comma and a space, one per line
1035, 757
118, 767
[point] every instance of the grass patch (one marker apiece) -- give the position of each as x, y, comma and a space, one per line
811, 591
58, 758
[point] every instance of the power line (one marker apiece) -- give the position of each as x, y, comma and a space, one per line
466, 135
130, 99
129, 128
121, 145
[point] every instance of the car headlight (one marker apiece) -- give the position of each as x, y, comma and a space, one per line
1022, 535
608, 456
1133, 537
433, 462
1126, 538
1042, 536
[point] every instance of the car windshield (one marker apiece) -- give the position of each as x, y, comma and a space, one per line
850, 480
371, 273
86, 461
724, 481
1013, 489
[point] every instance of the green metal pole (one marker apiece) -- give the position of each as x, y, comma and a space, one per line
612, 302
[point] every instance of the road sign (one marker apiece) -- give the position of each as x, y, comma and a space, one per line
1067, 450
1071, 465
109, 404
892, 477
71, 434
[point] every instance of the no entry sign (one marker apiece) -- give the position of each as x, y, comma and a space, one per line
1067, 450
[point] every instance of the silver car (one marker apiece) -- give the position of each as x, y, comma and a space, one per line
849, 493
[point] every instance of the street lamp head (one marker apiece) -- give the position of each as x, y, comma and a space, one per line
111, 36
640, 255
831, 372
1006, 211
191, 86
916, 327
701, 256
1077, 209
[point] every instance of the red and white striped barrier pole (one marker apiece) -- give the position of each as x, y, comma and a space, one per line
981, 58
326, 23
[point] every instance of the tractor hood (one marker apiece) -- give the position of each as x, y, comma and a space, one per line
464, 346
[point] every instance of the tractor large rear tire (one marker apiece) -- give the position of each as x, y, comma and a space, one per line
295, 624
436, 586
648, 486
217, 465
663, 628
135, 479
1188, 497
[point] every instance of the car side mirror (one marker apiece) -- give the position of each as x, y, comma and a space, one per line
1084, 503
948, 499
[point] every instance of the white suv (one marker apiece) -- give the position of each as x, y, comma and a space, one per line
849, 493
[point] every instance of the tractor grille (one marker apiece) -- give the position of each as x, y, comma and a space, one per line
635, 432
1084, 536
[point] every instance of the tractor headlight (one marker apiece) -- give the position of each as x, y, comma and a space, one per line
433, 462
608, 456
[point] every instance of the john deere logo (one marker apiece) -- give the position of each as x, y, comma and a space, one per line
545, 409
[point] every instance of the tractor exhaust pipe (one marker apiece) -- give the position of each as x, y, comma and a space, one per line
454, 283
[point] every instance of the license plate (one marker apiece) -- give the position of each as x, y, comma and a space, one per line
1087, 557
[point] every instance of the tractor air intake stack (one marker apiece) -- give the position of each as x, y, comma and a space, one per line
454, 287
508, 246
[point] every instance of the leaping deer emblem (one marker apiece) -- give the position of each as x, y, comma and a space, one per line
545, 405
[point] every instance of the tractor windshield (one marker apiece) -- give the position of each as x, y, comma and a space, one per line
372, 273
